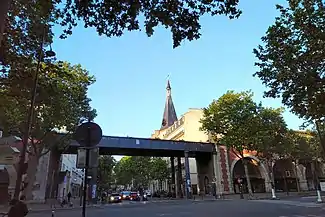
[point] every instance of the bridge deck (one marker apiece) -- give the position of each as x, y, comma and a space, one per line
130, 146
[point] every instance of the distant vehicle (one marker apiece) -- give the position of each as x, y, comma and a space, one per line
145, 197
148, 193
125, 195
134, 196
115, 198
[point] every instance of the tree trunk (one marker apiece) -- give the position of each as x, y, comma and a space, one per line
271, 177
249, 185
296, 175
285, 181
31, 176
4, 6
321, 136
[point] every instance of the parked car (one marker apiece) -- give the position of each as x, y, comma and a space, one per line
115, 198
134, 196
125, 195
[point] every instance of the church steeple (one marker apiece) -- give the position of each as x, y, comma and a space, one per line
169, 116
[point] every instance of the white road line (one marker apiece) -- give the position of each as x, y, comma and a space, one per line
292, 203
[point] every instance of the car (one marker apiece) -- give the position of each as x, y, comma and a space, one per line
148, 193
134, 196
115, 198
125, 195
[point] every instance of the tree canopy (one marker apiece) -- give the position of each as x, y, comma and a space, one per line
232, 120
236, 121
105, 172
61, 104
113, 18
291, 58
270, 139
140, 171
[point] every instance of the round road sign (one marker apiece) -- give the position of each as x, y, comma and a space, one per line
88, 134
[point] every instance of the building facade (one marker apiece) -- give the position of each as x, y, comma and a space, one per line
228, 168
73, 179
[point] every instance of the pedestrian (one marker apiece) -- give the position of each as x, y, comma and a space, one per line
18, 208
12, 204
69, 197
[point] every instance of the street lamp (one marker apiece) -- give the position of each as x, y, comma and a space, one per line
49, 53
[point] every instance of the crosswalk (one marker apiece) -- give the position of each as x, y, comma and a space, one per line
290, 203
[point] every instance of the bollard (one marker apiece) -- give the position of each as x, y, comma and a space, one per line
53, 213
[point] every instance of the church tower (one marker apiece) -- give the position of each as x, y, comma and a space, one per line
169, 116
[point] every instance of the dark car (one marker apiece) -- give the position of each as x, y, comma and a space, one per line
115, 198
125, 195
134, 196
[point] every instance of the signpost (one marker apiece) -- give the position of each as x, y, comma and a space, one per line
88, 135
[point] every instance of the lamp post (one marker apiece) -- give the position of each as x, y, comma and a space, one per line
22, 156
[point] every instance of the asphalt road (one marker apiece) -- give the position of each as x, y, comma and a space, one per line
234, 208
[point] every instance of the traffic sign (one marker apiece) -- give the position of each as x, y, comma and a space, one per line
88, 134
93, 158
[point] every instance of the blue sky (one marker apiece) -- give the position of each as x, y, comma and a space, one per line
131, 71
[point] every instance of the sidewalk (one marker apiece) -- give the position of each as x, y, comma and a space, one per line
49, 206
280, 195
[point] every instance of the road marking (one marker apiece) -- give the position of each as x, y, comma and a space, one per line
288, 202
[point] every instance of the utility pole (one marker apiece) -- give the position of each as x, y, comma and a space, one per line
29, 122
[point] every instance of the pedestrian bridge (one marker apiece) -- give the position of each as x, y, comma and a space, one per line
130, 146
204, 153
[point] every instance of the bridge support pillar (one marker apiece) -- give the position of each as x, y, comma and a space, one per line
173, 187
205, 173
188, 184
179, 178
92, 183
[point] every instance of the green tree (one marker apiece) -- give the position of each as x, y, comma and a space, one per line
122, 171
113, 18
270, 138
232, 120
135, 171
61, 104
304, 147
105, 172
291, 59
160, 170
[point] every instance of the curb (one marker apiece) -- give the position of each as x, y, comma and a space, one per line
55, 209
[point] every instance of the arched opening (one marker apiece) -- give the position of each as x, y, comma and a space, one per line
256, 178
313, 171
4, 184
284, 176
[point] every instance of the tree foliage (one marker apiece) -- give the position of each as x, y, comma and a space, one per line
140, 171
28, 24
61, 104
291, 59
232, 120
159, 169
236, 121
105, 172
270, 138
113, 18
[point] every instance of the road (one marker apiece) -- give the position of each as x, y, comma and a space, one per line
233, 208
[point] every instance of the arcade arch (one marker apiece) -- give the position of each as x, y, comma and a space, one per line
285, 175
257, 173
